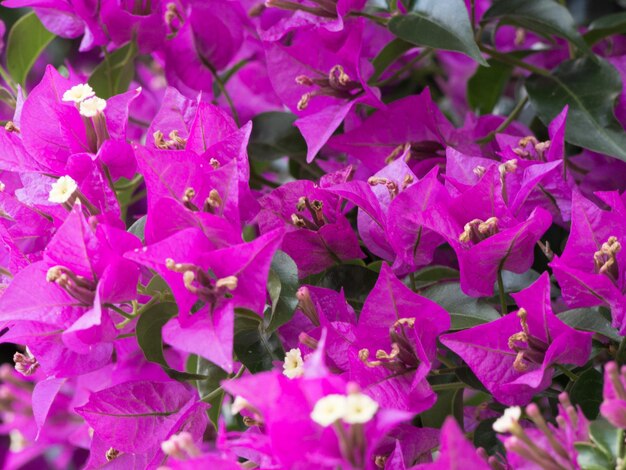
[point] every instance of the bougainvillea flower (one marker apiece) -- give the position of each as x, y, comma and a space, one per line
514, 356
317, 233
480, 228
590, 270
81, 275
151, 411
395, 344
321, 88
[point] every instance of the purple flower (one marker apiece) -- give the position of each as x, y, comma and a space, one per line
613, 408
514, 356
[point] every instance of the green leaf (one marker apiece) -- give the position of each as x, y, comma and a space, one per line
150, 339
587, 392
589, 87
435, 416
465, 311
357, 282
590, 457
388, 55
282, 285
546, 17
114, 74
607, 438
606, 26
438, 24
487, 85
209, 388
487, 438
138, 228
274, 136
589, 319
27, 39
434, 274
514, 282
255, 348
7, 97
465, 375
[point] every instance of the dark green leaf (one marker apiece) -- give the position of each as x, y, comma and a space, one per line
589, 319
274, 136
607, 438
487, 438
465, 375
357, 282
435, 416
590, 457
590, 88
514, 282
587, 392
606, 26
138, 228
486, 86
254, 347
465, 311
150, 338
27, 39
115, 72
209, 388
435, 273
438, 24
546, 17
158, 286
282, 285
388, 55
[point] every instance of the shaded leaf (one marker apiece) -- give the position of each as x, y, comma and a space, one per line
607, 438
545, 17
590, 88
209, 388
464, 311
589, 319
150, 338
487, 438
591, 457
486, 86
274, 136
138, 228
284, 274
356, 281
114, 74
606, 26
587, 392
27, 39
388, 55
441, 25
254, 347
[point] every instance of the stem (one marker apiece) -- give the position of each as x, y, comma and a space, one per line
413, 282
473, 12
376, 19
620, 357
210, 396
510, 60
8, 80
448, 386
503, 305
222, 88
424, 53
128, 316
514, 114
573, 377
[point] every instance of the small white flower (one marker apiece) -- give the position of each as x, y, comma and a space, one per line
78, 93
92, 106
329, 409
18, 441
508, 420
239, 403
294, 365
360, 408
62, 189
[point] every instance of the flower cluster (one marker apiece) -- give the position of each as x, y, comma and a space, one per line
313, 234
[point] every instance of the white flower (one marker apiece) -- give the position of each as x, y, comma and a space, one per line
239, 403
329, 409
62, 189
18, 441
92, 106
293, 365
508, 420
78, 93
360, 408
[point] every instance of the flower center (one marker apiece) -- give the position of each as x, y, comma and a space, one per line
79, 287
605, 260
175, 142
529, 349
212, 204
402, 357
314, 208
209, 290
478, 230
527, 144
337, 84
